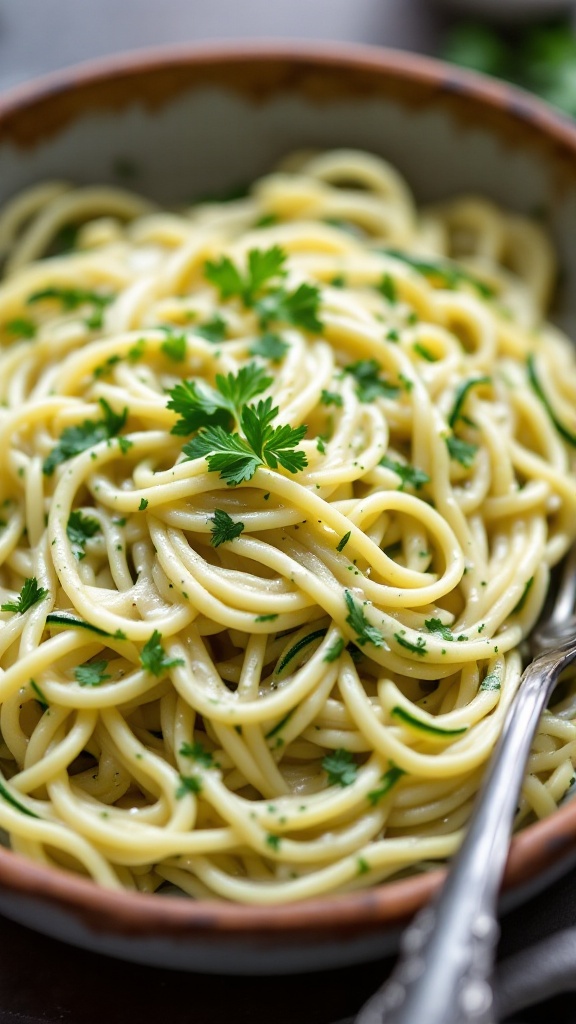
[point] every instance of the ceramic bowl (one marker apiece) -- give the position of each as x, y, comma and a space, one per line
194, 121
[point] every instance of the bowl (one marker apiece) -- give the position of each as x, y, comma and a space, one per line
190, 121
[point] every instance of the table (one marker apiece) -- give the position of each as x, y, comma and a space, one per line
43, 981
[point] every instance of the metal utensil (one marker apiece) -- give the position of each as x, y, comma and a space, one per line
447, 954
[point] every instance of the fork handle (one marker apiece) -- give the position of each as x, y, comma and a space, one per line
447, 954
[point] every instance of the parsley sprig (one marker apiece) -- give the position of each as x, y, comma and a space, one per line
365, 631
340, 768
79, 438
92, 673
261, 288
200, 405
30, 594
236, 458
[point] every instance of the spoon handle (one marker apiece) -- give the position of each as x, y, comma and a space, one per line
447, 954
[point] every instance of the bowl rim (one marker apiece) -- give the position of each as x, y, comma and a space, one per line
540, 846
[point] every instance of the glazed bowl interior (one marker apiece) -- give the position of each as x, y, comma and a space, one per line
178, 125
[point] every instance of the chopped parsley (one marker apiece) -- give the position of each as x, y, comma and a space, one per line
331, 398
387, 288
30, 595
153, 657
424, 352
213, 330
369, 385
389, 779
21, 327
137, 351
342, 544
188, 784
408, 474
437, 626
491, 681
143, 504
461, 451
198, 753
418, 648
72, 298
92, 673
174, 347
340, 768
266, 618
366, 633
273, 841
335, 650
270, 346
224, 528
260, 288
79, 438
79, 529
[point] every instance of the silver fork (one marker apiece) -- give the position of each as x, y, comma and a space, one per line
447, 954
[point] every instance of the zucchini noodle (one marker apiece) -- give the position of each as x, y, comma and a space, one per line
282, 480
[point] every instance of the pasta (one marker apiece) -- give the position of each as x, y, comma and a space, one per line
282, 482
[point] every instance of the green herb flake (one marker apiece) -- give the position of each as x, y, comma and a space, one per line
92, 673
39, 694
387, 781
490, 682
442, 272
409, 475
143, 504
270, 346
224, 528
340, 768
362, 865
75, 440
30, 595
387, 288
153, 657
198, 753
461, 451
174, 347
418, 648
424, 352
365, 631
79, 529
188, 784
137, 351
335, 650
266, 618
461, 395
273, 841
331, 398
212, 330
21, 328
342, 544
369, 385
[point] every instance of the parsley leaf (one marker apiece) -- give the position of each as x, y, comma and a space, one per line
437, 626
153, 657
188, 784
387, 288
418, 648
461, 451
213, 330
92, 673
200, 405
389, 779
331, 398
174, 347
79, 529
270, 346
198, 753
30, 594
224, 528
368, 383
21, 328
408, 474
237, 459
340, 767
79, 438
299, 307
143, 504
343, 542
263, 265
73, 298
365, 631
335, 650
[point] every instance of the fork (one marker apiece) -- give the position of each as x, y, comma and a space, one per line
447, 954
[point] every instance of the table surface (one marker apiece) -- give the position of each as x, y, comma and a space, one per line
41, 980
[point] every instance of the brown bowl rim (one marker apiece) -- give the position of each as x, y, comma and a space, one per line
538, 848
